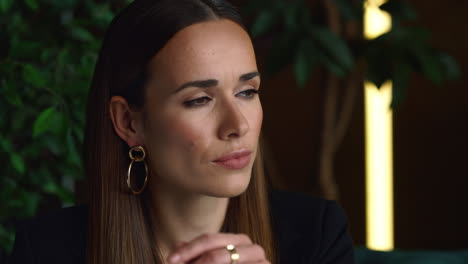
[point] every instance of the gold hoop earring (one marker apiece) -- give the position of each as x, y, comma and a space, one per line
140, 158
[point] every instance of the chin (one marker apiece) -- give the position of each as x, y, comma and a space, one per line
228, 189
227, 194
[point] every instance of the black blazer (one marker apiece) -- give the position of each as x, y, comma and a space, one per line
309, 230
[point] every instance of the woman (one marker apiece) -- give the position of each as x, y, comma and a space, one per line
173, 158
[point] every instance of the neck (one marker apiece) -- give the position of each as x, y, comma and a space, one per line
182, 216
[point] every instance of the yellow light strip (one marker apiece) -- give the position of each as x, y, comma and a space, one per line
376, 21
379, 167
379, 144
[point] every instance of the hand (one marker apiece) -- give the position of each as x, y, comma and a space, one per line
211, 249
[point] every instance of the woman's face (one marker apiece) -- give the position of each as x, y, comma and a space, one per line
200, 105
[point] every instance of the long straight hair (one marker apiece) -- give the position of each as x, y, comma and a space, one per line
120, 230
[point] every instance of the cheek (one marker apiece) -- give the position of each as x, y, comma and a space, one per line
184, 134
256, 119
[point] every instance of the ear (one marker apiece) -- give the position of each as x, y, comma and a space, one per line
126, 123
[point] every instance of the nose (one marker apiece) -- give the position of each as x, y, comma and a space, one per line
233, 123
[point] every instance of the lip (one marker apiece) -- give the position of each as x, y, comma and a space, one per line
234, 160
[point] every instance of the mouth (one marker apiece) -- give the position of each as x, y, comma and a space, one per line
234, 160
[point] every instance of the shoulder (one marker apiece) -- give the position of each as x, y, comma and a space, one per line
298, 204
305, 211
58, 236
311, 228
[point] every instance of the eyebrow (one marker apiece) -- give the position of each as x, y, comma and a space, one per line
213, 82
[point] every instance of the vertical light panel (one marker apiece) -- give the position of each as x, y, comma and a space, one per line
379, 167
379, 144
376, 21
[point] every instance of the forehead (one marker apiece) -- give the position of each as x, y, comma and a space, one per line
205, 50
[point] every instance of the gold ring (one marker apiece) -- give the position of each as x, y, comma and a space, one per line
234, 255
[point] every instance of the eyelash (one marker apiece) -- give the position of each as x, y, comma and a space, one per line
205, 99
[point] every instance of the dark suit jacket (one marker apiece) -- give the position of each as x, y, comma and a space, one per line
309, 230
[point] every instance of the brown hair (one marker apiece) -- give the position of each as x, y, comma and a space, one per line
119, 228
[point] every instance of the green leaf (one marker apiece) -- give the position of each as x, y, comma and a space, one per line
305, 62
5, 5
14, 99
4, 45
450, 66
32, 4
377, 76
379, 64
349, 9
400, 9
78, 133
334, 46
34, 76
334, 67
5, 144
401, 76
290, 14
54, 145
73, 156
17, 162
302, 69
81, 34
10, 93
53, 188
48, 120
27, 50
263, 23
21, 120
102, 15
430, 66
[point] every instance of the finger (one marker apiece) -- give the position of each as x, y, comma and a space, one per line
178, 245
207, 242
247, 254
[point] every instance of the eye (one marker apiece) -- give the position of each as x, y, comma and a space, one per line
249, 94
198, 101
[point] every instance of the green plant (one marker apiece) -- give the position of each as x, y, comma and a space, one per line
328, 34
307, 40
47, 54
